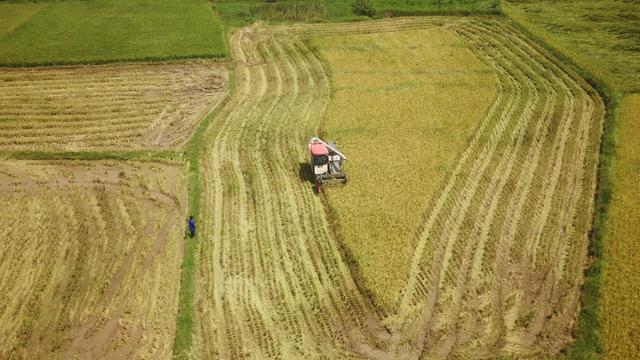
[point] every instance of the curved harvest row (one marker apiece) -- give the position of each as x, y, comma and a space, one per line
273, 282
498, 259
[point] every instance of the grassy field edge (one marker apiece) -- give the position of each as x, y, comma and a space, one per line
153, 59
587, 343
185, 318
444, 12
91, 155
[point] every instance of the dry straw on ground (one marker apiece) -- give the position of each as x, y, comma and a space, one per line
91, 255
106, 107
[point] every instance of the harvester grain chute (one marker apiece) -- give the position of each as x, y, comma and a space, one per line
326, 163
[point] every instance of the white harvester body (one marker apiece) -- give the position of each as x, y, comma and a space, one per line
326, 162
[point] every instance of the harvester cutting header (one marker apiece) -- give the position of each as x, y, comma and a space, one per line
326, 162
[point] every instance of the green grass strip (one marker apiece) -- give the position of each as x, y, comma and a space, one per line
185, 319
92, 155
221, 57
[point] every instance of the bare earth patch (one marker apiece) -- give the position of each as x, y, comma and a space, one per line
90, 258
106, 107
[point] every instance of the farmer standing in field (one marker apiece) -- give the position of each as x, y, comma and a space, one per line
192, 226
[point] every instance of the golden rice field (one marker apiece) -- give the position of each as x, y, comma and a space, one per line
462, 234
89, 258
496, 259
106, 107
397, 111
620, 301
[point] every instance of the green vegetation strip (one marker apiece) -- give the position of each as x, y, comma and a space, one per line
587, 343
185, 320
243, 12
92, 155
12, 16
103, 31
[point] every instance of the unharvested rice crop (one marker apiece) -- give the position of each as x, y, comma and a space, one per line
131, 106
620, 301
89, 258
396, 108
497, 259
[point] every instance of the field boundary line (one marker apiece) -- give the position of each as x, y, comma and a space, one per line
185, 320
136, 60
91, 155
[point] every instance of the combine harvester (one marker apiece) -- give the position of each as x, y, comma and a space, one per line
326, 163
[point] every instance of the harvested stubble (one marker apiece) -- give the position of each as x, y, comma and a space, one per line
90, 258
272, 279
106, 107
498, 257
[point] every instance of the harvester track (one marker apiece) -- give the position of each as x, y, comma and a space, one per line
485, 278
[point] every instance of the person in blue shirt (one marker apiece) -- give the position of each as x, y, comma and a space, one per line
192, 226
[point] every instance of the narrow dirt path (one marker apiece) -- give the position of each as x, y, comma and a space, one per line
486, 279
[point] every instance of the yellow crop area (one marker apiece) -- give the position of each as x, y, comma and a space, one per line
620, 299
402, 109
90, 258
106, 107
462, 234
494, 263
